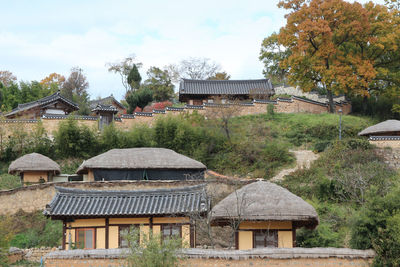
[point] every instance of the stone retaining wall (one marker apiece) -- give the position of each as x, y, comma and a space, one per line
206, 258
36, 197
29, 254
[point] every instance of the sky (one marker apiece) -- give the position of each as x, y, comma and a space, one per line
41, 37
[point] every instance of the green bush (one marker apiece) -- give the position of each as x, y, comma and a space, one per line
321, 146
151, 250
72, 140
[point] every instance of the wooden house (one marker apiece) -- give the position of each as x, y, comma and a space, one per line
108, 101
197, 92
141, 164
266, 215
100, 219
34, 168
106, 114
54, 104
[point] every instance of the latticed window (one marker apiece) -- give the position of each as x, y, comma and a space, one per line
124, 231
265, 238
170, 230
85, 238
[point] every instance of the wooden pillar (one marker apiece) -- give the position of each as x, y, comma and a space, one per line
107, 233
151, 224
192, 235
294, 236
64, 235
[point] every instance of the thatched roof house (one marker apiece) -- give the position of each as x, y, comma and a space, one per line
386, 128
34, 167
141, 164
267, 214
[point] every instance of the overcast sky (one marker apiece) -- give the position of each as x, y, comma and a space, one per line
41, 37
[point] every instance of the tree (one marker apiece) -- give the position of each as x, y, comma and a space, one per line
75, 89
195, 68
339, 46
123, 68
160, 83
139, 98
134, 78
7, 78
272, 54
54, 81
220, 76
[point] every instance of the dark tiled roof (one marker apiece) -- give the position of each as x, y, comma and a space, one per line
43, 102
309, 101
107, 108
105, 101
384, 138
194, 107
265, 101
76, 117
127, 116
145, 114
95, 203
225, 87
175, 109
159, 111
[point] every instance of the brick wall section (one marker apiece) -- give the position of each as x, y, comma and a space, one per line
391, 155
36, 197
209, 258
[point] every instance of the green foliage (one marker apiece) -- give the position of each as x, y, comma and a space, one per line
151, 251
159, 82
139, 98
270, 110
8, 181
34, 230
382, 107
72, 140
134, 77
377, 226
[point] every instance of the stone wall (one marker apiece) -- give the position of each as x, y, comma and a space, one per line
296, 91
390, 155
209, 258
36, 197
29, 254
126, 122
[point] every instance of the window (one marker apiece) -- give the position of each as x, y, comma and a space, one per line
265, 238
169, 230
124, 230
85, 238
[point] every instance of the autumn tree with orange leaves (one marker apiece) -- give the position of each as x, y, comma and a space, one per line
340, 46
54, 81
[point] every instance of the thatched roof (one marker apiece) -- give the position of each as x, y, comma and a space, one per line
264, 201
140, 158
33, 162
382, 127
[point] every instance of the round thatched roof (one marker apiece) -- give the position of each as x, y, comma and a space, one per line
264, 201
33, 162
382, 127
140, 158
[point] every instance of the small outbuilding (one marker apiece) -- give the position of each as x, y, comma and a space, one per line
141, 164
385, 128
383, 134
34, 168
94, 219
265, 215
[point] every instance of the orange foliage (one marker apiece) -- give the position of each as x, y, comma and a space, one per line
338, 45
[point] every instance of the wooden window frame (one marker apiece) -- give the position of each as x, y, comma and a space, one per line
85, 229
137, 226
170, 225
275, 232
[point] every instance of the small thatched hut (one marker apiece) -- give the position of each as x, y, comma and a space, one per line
385, 128
34, 168
141, 164
265, 215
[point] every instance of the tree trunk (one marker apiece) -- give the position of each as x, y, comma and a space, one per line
365, 105
331, 104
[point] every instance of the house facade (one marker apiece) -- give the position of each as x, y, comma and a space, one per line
197, 92
95, 219
141, 164
54, 104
